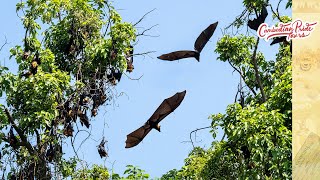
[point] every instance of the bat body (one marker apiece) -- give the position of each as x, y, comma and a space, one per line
255, 23
114, 75
84, 118
180, 55
201, 41
68, 130
101, 149
12, 138
129, 58
50, 153
165, 108
33, 67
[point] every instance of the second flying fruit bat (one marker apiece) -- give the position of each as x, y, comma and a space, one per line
165, 108
201, 41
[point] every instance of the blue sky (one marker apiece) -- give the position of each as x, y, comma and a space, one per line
210, 84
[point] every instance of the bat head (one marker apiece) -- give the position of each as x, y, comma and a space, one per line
158, 127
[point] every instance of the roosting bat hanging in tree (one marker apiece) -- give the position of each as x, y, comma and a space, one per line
12, 138
166, 107
129, 58
114, 75
255, 23
101, 149
198, 46
34, 66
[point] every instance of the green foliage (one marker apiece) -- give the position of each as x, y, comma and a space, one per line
95, 173
196, 160
68, 49
170, 175
134, 172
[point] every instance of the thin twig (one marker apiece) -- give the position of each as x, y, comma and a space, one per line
145, 53
242, 76
143, 17
195, 131
23, 138
5, 43
276, 13
144, 31
136, 79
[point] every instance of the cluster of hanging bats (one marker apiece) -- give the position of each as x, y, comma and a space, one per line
70, 113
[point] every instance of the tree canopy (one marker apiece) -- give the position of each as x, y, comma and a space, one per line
75, 51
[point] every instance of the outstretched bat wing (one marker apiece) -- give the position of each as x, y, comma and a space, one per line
179, 55
204, 37
137, 136
167, 107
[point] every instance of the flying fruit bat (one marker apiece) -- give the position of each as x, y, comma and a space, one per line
198, 46
255, 23
101, 149
129, 58
165, 108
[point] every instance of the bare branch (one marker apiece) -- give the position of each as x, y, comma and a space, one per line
254, 61
22, 136
145, 53
5, 43
133, 78
143, 17
276, 13
195, 131
146, 30
242, 76
224, 134
244, 12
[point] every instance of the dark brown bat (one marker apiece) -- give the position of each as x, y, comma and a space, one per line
114, 75
33, 67
255, 23
68, 130
101, 149
165, 108
12, 138
282, 39
129, 58
50, 153
83, 118
35, 63
201, 41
